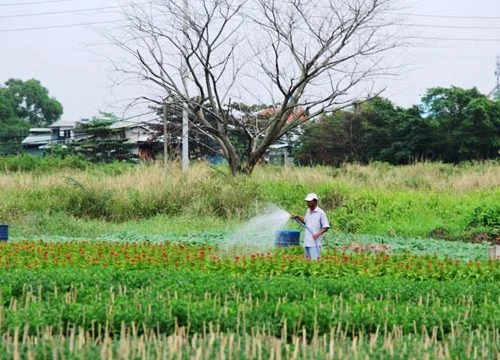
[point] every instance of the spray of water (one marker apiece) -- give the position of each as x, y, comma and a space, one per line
257, 235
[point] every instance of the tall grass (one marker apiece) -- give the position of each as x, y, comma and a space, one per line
420, 176
425, 199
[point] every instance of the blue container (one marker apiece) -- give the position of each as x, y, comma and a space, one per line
286, 238
4, 232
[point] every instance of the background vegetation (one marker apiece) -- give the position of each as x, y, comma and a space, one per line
24, 104
71, 197
450, 125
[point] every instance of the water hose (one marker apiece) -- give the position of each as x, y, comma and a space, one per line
303, 225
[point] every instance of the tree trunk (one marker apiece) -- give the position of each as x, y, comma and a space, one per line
231, 155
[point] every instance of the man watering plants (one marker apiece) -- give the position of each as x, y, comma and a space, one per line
316, 224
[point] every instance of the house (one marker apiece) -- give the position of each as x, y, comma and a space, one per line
41, 139
64, 130
34, 142
137, 134
279, 152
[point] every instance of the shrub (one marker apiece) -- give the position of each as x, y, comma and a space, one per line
486, 215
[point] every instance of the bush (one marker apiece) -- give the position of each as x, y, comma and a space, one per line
486, 215
24, 163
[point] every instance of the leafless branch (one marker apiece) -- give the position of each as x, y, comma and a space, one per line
306, 57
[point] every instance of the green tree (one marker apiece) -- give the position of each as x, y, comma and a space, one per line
325, 141
466, 123
372, 131
24, 104
394, 134
450, 125
100, 142
30, 101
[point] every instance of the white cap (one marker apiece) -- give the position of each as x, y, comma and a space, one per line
311, 197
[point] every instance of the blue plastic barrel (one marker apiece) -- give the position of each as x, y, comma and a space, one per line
286, 238
4, 232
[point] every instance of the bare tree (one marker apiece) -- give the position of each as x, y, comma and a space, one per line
303, 57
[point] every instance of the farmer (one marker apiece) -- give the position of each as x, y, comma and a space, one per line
315, 224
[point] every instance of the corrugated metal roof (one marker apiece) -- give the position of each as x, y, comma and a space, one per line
65, 123
37, 139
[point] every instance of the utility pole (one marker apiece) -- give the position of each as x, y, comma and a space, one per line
185, 125
165, 139
495, 93
185, 138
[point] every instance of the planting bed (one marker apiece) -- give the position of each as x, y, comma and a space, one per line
123, 300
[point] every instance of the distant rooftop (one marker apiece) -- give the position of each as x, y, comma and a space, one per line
37, 139
65, 123
40, 130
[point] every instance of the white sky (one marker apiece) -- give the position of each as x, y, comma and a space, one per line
69, 62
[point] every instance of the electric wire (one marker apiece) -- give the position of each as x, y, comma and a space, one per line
117, 21
123, 20
62, 26
454, 27
448, 16
35, 3
397, 13
63, 12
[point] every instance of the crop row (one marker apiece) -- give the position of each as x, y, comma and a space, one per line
42, 255
287, 306
144, 300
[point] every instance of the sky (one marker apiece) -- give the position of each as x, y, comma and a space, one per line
60, 43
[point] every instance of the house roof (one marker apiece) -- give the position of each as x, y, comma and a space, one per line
279, 146
65, 123
37, 139
298, 113
40, 130
139, 139
125, 124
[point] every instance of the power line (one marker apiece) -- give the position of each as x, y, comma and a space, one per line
454, 39
61, 26
59, 12
36, 3
454, 27
468, 17
67, 11
449, 16
116, 7
124, 20
119, 6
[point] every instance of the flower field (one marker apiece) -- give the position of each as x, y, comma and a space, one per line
167, 300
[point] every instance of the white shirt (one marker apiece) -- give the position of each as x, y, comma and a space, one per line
315, 220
